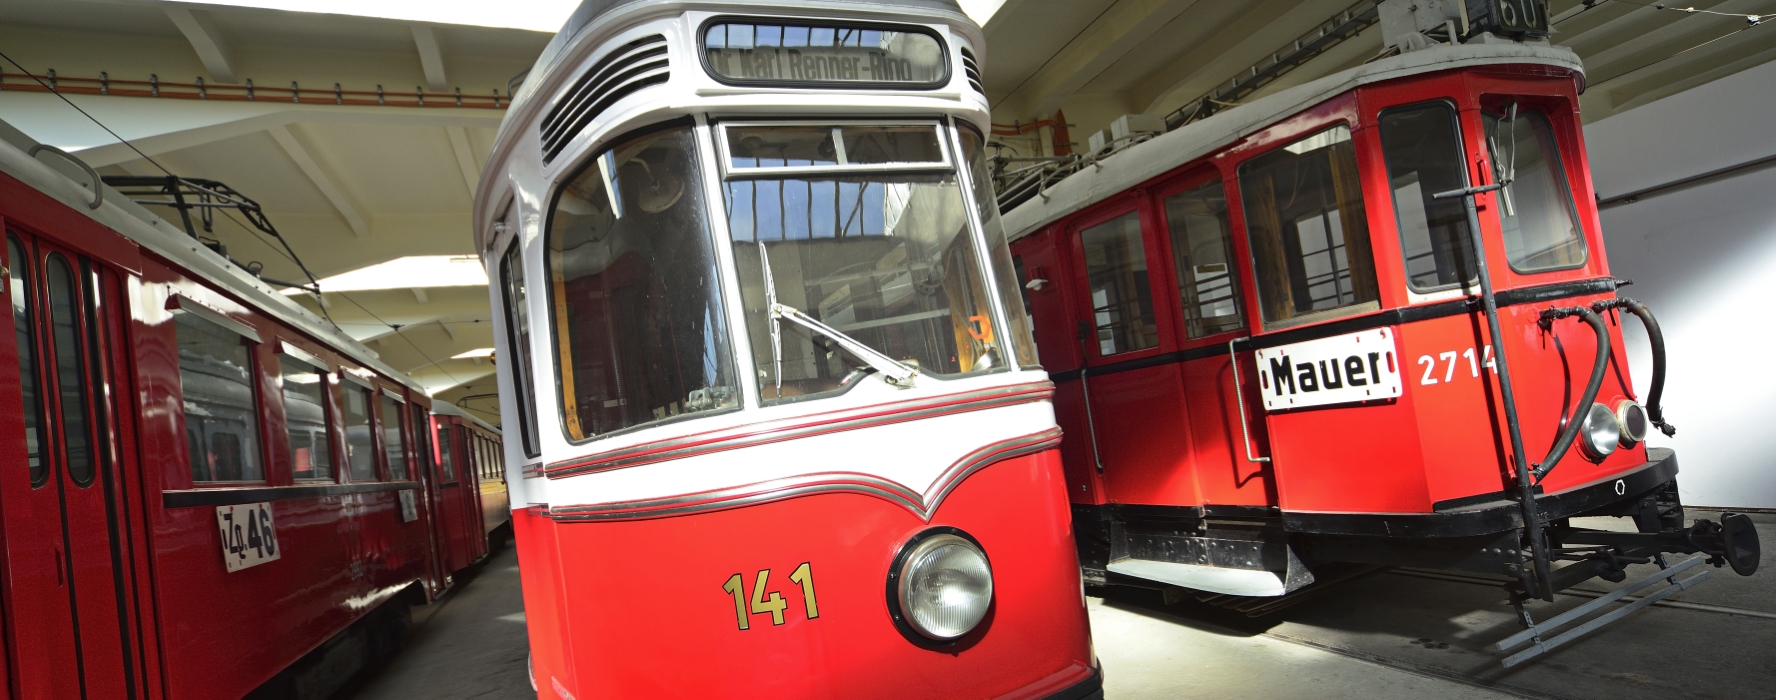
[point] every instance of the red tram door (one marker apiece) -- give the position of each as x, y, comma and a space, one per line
66, 552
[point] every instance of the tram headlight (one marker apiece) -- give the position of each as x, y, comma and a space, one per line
941, 584
1599, 434
1632, 421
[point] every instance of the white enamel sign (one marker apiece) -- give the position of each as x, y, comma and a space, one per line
1361, 366
248, 537
409, 506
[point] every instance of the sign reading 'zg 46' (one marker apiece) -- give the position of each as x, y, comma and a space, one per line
1341, 369
248, 538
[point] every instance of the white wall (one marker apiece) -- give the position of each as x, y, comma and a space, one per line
1704, 260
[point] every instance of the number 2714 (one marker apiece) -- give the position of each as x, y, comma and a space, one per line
770, 602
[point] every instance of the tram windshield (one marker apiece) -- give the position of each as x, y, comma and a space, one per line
865, 230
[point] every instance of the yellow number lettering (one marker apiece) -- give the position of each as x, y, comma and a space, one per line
736, 586
760, 605
804, 575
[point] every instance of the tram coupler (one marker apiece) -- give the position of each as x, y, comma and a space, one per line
1732, 543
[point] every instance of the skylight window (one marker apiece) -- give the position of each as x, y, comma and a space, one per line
411, 272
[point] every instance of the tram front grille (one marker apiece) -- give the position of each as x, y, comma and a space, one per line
631, 67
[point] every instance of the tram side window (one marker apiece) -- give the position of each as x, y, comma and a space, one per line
1310, 238
23, 316
424, 449
1007, 280
394, 444
1424, 156
360, 447
1121, 299
517, 300
639, 324
446, 454
305, 418
1536, 213
1202, 253
221, 413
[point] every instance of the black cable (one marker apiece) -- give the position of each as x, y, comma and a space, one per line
1675, 55
397, 330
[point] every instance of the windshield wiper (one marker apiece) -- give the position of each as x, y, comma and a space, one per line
893, 371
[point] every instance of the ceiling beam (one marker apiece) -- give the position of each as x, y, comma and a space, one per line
324, 180
1112, 36
465, 157
419, 295
430, 58
211, 48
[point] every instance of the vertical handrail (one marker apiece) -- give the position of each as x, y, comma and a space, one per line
1239, 400
1525, 486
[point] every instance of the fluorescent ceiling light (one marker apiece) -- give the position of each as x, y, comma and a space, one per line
411, 272
535, 15
472, 354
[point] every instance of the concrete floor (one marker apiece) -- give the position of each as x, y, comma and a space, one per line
1388, 635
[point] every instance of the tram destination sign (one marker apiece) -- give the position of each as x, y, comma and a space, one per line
1350, 368
829, 55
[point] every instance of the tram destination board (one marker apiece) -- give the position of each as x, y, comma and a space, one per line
248, 535
1348, 368
807, 55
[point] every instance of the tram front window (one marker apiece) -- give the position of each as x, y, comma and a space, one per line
637, 312
864, 229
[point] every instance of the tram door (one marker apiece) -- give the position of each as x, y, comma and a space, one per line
64, 544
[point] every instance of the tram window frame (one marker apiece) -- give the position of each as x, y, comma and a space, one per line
1146, 326
723, 338
424, 442
836, 139
21, 279
384, 401
352, 383
190, 314
949, 69
1178, 235
1453, 215
1555, 157
1269, 257
514, 292
319, 442
446, 456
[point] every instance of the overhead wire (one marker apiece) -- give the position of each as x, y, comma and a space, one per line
287, 252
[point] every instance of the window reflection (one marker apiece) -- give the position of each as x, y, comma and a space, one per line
1424, 157
305, 417
1309, 235
1202, 252
221, 416
1121, 299
1540, 226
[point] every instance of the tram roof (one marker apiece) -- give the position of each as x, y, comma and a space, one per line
1163, 153
446, 408
136, 223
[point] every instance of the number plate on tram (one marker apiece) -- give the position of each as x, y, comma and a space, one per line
1347, 368
248, 537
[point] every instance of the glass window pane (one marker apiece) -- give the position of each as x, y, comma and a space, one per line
1424, 156
1310, 238
424, 448
1007, 281
394, 444
885, 259
638, 312
305, 418
1536, 210
446, 454
69, 369
1202, 251
360, 448
221, 415
780, 146
517, 299
829, 54
1121, 299
878, 145
23, 316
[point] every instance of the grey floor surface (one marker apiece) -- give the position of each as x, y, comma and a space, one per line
1392, 634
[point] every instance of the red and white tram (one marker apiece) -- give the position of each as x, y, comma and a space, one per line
777, 428
1275, 349
205, 491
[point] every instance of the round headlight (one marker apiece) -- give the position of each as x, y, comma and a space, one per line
1599, 434
944, 584
1632, 421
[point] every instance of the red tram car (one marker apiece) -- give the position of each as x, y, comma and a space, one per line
763, 361
1275, 347
205, 491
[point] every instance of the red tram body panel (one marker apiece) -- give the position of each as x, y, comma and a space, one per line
205, 485
1272, 350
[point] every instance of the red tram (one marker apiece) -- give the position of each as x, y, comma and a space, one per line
765, 364
1275, 347
206, 491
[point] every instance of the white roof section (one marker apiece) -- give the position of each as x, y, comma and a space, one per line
132, 221
1168, 151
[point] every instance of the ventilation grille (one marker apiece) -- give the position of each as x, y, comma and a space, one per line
972, 68
633, 66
